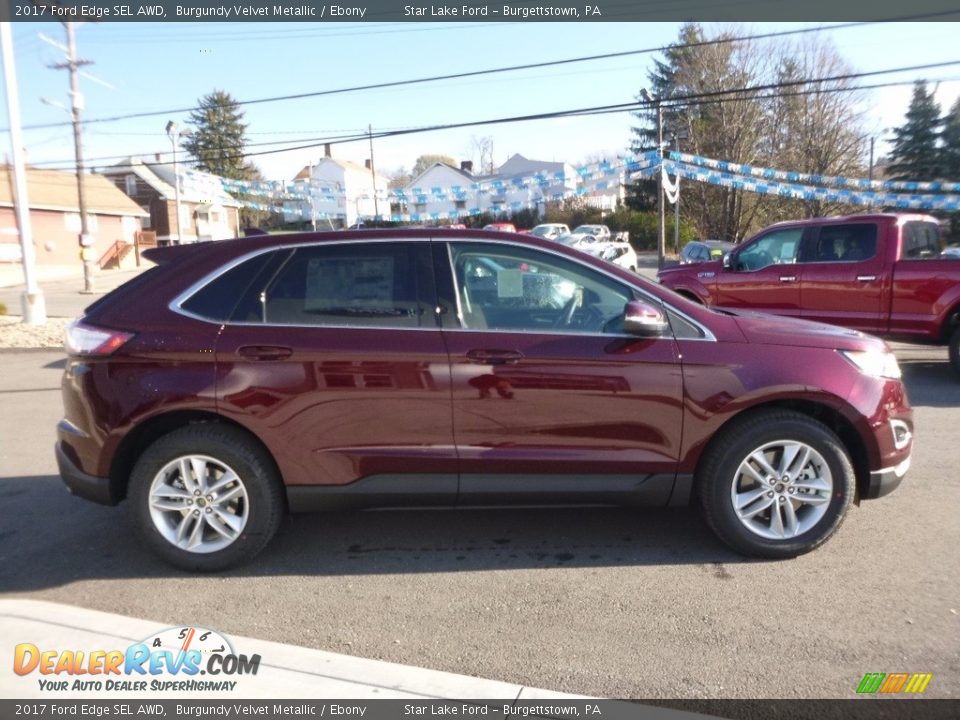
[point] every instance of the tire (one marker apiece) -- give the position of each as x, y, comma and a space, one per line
233, 517
955, 350
800, 509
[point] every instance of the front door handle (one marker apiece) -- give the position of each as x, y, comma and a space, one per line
265, 352
494, 357
788, 278
866, 278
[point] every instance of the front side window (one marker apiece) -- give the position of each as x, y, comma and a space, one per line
502, 287
352, 284
777, 248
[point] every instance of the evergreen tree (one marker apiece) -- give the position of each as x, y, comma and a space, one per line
219, 137
950, 153
664, 82
915, 154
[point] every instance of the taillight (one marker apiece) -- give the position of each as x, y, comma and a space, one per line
83, 339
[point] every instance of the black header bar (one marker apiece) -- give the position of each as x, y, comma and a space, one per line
474, 11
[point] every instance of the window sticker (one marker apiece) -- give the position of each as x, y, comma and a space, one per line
349, 282
509, 283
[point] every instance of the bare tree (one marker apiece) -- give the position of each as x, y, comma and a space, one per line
808, 127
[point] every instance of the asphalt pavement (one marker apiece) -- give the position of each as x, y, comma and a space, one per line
618, 603
603, 602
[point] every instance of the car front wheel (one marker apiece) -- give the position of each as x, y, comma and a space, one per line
205, 497
955, 350
775, 484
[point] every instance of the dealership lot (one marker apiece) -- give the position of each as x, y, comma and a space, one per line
619, 603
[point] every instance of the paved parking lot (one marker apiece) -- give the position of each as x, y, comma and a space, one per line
605, 602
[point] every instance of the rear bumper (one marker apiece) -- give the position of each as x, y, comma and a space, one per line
883, 482
89, 487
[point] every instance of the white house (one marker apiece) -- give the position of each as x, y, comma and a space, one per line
444, 192
343, 191
544, 181
441, 192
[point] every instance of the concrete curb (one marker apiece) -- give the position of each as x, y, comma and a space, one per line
285, 671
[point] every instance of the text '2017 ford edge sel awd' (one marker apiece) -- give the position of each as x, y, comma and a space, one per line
238, 380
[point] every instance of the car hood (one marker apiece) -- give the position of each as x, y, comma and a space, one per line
764, 329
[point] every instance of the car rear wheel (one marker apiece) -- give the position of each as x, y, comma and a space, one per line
776, 484
205, 497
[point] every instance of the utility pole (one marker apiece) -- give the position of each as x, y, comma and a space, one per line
676, 205
373, 174
34, 310
662, 230
174, 132
662, 223
73, 64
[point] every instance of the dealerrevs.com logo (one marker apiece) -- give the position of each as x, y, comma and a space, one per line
178, 659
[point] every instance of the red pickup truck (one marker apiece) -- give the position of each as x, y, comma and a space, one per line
884, 274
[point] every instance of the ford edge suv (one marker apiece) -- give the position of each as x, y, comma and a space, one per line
237, 381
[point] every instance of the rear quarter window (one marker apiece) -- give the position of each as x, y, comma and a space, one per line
219, 298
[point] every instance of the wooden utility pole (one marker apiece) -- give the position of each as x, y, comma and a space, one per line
373, 174
73, 64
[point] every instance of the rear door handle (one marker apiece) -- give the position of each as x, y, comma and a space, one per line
788, 278
265, 352
494, 357
866, 278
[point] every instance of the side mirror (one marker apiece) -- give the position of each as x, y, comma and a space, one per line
643, 319
728, 261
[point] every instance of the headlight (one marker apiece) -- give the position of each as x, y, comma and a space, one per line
877, 363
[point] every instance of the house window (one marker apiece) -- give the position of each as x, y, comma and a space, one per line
145, 220
420, 207
71, 222
460, 204
131, 183
185, 216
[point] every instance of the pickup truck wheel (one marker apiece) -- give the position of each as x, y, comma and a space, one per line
776, 484
955, 350
205, 497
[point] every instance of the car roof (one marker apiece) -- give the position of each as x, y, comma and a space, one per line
238, 246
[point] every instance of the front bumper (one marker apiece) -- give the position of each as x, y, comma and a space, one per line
883, 482
89, 487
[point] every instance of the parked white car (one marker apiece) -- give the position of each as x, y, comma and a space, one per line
618, 253
601, 232
550, 231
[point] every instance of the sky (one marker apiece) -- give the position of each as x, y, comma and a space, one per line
167, 67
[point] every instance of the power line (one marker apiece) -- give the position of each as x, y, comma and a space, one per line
712, 97
507, 69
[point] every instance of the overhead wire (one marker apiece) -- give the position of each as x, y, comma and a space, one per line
492, 71
717, 96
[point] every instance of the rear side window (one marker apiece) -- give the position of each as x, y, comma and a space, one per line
921, 240
363, 285
847, 242
217, 299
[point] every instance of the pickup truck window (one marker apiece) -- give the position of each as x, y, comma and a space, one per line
778, 248
847, 242
921, 241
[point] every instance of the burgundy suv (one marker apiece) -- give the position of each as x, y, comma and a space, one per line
238, 380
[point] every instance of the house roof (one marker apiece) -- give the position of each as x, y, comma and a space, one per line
306, 173
518, 164
56, 190
196, 187
467, 177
